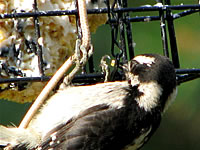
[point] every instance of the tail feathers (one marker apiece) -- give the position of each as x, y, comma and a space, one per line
7, 136
17, 137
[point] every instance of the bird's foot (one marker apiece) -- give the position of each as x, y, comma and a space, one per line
80, 58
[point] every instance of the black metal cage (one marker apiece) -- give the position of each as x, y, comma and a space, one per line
120, 21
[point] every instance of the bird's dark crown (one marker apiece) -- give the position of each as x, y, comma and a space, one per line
152, 67
155, 77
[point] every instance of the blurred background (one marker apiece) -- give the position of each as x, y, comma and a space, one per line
180, 127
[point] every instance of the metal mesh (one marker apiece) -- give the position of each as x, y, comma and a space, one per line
120, 24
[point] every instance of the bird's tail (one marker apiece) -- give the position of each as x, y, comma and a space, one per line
17, 137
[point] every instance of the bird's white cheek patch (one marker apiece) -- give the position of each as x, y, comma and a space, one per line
151, 94
145, 60
134, 79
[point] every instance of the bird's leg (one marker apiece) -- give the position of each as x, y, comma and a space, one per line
79, 60
105, 68
83, 46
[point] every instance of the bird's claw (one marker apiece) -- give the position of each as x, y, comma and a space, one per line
105, 67
85, 53
79, 60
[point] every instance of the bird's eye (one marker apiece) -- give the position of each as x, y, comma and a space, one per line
140, 69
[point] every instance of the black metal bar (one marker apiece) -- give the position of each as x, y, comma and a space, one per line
74, 12
122, 38
97, 11
182, 7
114, 37
24, 79
156, 18
112, 28
37, 37
113, 41
129, 32
163, 33
130, 40
185, 78
108, 7
143, 19
185, 71
89, 75
47, 78
185, 13
91, 64
39, 13
172, 37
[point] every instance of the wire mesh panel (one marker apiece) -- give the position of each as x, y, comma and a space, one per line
37, 39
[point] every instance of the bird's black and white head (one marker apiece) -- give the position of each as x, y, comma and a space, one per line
155, 78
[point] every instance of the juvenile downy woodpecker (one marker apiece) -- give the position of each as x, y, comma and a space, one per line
104, 116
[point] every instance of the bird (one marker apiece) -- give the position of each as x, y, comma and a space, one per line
110, 115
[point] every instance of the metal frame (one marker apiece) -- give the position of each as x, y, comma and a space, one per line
120, 22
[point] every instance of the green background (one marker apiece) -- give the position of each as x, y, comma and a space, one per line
180, 127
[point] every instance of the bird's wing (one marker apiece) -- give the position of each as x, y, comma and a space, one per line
102, 126
99, 127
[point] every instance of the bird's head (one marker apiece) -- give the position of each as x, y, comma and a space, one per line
155, 77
